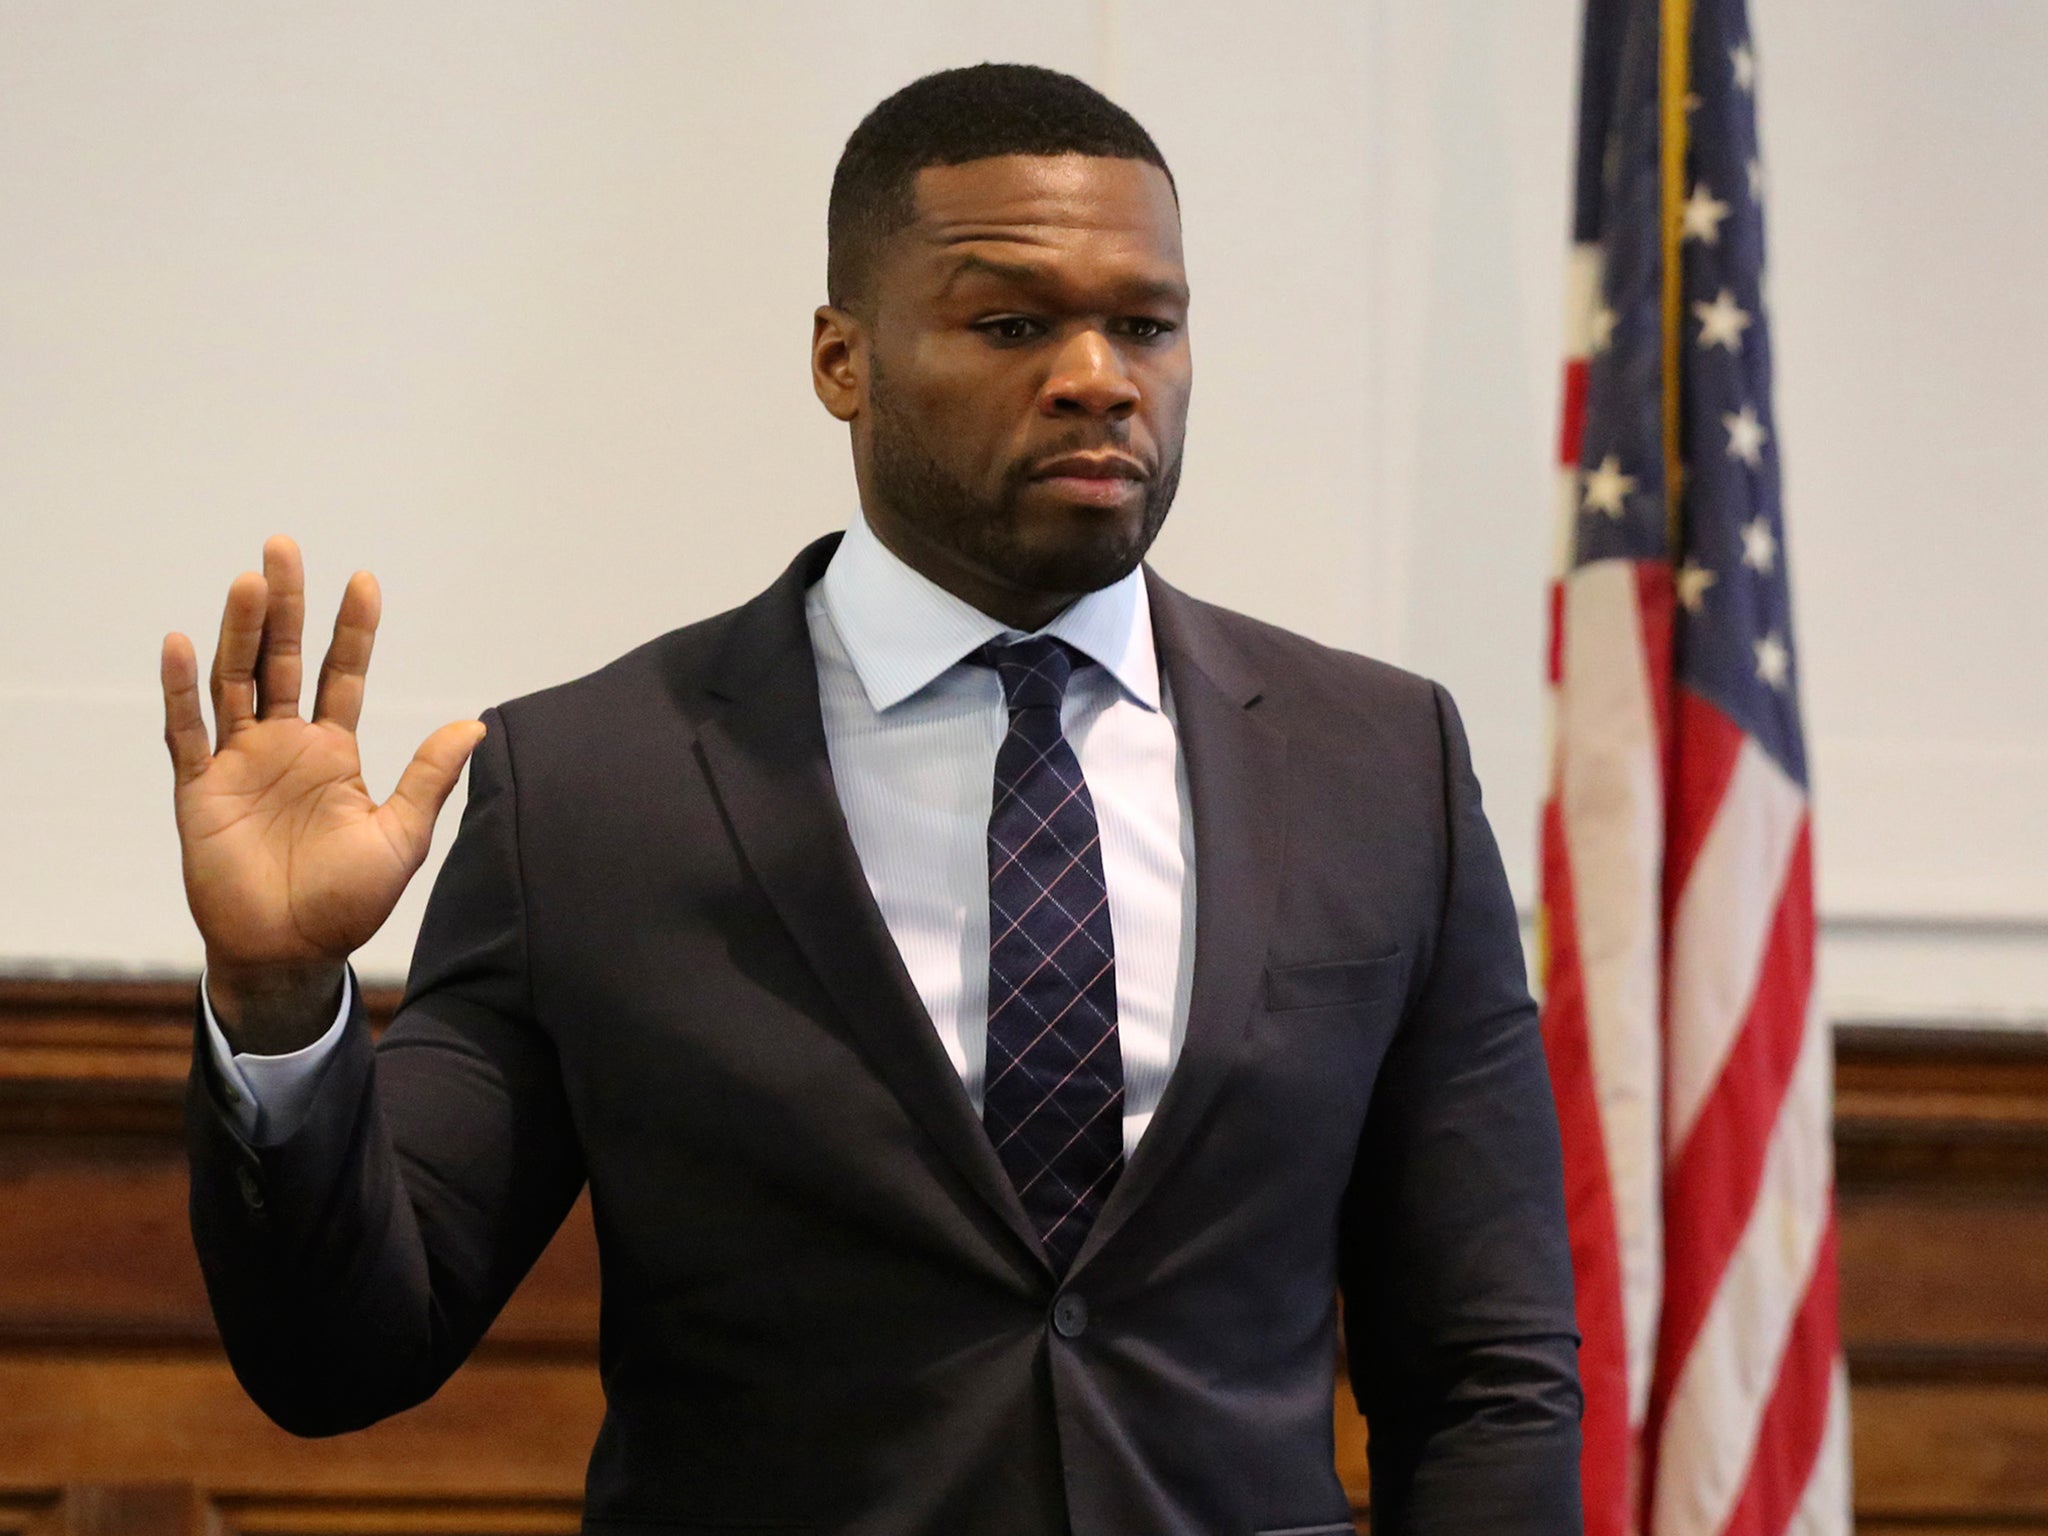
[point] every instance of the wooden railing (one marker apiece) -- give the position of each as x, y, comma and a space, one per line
119, 1416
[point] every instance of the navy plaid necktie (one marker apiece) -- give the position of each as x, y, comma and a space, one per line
1053, 1100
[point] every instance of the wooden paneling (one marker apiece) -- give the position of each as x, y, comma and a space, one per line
1964, 1280
117, 1412
93, 1183
106, 1219
1942, 1107
30, 1514
1953, 1451
395, 1517
183, 1509
80, 1057
1942, 1167
512, 1426
1352, 1467
131, 1509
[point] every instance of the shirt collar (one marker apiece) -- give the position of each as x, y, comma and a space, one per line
901, 630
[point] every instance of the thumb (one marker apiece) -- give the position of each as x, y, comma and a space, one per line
428, 779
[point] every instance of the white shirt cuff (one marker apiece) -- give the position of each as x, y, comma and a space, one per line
270, 1096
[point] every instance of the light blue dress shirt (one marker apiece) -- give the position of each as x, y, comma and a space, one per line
912, 732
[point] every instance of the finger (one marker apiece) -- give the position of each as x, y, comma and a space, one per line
184, 723
340, 698
428, 779
278, 668
234, 658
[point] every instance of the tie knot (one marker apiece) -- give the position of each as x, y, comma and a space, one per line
1034, 670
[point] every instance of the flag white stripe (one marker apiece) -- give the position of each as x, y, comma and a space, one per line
1721, 926
1824, 1508
1610, 790
1726, 1381
1582, 273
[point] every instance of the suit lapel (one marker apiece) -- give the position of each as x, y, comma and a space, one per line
763, 747
766, 756
1234, 759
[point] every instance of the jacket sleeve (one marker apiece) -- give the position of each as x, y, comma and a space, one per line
353, 1265
1454, 1258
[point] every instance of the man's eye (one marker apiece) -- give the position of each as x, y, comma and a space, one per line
1009, 327
1145, 328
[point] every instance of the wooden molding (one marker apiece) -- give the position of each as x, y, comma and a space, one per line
97, 1055
38, 1513
510, 1430
1919, 1103
396, 1517
186, 1509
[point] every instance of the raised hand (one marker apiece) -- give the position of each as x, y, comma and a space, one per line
289, 864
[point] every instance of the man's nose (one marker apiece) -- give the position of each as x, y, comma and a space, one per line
1088, 379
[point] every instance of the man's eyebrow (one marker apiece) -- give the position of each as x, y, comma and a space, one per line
970, 264
1030, 275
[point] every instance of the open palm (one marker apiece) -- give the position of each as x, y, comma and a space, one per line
289, 864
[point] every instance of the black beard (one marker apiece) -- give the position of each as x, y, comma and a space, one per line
984, 530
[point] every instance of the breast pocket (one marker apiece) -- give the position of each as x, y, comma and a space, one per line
1334, 983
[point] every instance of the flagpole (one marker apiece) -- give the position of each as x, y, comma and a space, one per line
1675, 80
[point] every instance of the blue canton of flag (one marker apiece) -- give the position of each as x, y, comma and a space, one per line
1623, 509
1735, 626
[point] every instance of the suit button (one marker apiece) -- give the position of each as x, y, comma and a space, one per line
1070, 1316
252, 1189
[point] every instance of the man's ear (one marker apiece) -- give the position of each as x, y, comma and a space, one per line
839, 361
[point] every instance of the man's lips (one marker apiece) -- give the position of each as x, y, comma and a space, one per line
1092, 466
1098, 479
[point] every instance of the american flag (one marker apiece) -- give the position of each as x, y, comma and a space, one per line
1690, 1059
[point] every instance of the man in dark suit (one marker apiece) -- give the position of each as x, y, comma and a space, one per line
958, 1166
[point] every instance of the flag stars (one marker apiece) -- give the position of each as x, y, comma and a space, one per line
1723, 322
1703, 215
1773, 662
1742, 63
1607, 487
1759, 546
1746, 435
1604, 321
1693, 581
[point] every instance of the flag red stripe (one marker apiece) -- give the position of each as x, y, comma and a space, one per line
1788, 1439
1572, 435
1707, 748
1712, 1185
1656, 605
1589, 1201
1556, 661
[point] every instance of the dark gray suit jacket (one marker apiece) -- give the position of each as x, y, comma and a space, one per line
652, 962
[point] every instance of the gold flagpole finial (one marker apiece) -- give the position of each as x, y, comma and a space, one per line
1674, 90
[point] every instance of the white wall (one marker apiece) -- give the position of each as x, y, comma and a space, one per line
509, 301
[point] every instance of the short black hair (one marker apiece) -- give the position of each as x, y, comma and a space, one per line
949, 118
